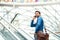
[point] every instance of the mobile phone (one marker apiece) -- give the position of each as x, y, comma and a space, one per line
34, 16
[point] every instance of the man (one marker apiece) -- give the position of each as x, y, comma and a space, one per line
39, 25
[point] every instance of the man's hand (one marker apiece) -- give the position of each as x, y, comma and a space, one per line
34, 17
45, 30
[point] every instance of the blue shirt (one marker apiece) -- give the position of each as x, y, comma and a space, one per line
39, 25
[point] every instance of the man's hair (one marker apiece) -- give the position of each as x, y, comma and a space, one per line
38, 12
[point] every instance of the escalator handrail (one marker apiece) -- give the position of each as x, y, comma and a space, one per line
14, 18
53, 33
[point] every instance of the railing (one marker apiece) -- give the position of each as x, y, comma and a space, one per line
14, 18
54, 34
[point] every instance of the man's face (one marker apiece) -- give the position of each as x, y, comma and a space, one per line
37, 14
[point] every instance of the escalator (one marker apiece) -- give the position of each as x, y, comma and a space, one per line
53, 36
20, 35
6, 34
9, 33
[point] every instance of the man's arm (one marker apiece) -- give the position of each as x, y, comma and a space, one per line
32, 23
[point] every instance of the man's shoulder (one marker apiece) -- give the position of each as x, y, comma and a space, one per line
39, 17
